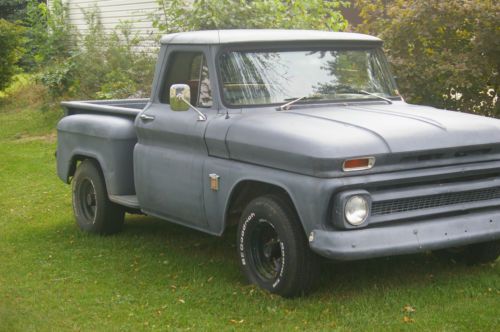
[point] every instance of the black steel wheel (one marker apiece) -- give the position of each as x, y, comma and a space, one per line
94, 212
273, 249
266, 251
87, 200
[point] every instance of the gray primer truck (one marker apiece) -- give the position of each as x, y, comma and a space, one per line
300, 138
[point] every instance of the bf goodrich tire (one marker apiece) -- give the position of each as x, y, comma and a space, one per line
94, 212
273, 250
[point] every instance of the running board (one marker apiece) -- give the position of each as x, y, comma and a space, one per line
125, 200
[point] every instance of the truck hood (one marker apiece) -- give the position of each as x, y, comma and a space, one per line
315, 140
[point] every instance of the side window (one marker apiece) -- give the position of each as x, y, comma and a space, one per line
188, 68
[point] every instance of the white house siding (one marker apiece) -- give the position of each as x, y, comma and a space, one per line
112, 12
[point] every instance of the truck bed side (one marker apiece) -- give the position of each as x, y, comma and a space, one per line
104, 131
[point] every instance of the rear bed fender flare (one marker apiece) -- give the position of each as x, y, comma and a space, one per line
82, 155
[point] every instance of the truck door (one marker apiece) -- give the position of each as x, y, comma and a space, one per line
169, 156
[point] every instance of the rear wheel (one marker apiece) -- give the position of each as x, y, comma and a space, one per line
273, 250
94, 212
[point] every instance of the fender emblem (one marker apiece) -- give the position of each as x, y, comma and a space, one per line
214, 181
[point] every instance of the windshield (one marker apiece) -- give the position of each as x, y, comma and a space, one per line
276, 77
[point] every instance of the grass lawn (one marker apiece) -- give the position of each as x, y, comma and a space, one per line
159, 276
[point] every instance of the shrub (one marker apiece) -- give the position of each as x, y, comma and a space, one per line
51, 38
12, 10
58, 78
112, 65
445, 53
102, 66
183, 15
11, 50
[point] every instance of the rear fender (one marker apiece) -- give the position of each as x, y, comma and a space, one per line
108, 140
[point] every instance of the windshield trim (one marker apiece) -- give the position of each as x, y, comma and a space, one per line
316, 102
301, 47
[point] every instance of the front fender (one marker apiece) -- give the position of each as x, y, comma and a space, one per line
310, 197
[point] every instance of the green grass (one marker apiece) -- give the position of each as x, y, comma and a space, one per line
159, 276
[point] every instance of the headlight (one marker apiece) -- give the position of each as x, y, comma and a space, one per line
356, 210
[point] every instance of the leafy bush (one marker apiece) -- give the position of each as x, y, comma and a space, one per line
183, 15
445, 53
11, 50
112, 65
52, 38
12, 10
58, 78
102, 66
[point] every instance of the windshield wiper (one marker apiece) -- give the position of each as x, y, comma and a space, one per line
286, 107
377, 96
348, 89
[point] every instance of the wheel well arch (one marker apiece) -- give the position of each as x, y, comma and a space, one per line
245, 191
78, 158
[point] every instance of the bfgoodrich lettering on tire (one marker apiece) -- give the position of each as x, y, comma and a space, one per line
273, 250
94, 212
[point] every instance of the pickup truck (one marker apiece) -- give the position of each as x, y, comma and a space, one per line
298, 137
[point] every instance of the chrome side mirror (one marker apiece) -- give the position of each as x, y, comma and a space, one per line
180, 95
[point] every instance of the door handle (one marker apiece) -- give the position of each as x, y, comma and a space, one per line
145, 117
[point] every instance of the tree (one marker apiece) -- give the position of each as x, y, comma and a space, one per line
12, 10
51, 37
445, 53
11, 41
181, 15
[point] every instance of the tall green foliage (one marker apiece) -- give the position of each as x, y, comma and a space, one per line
11, 50
112, 65
183, 15
91, 65
104, 65
52, 38
445, 53
12, 10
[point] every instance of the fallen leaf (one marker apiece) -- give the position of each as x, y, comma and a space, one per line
407, 319
408, 308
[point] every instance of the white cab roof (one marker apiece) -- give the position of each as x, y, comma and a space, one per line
262, 35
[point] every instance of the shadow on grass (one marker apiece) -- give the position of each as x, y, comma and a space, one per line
217, 256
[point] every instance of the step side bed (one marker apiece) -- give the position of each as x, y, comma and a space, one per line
104, 131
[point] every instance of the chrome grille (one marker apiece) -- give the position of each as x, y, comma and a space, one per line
433, 201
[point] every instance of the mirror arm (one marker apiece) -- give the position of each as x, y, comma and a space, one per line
201, 116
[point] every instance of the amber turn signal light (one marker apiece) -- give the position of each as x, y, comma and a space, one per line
358, 164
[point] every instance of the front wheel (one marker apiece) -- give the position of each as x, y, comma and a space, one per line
94, 212
273, 250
